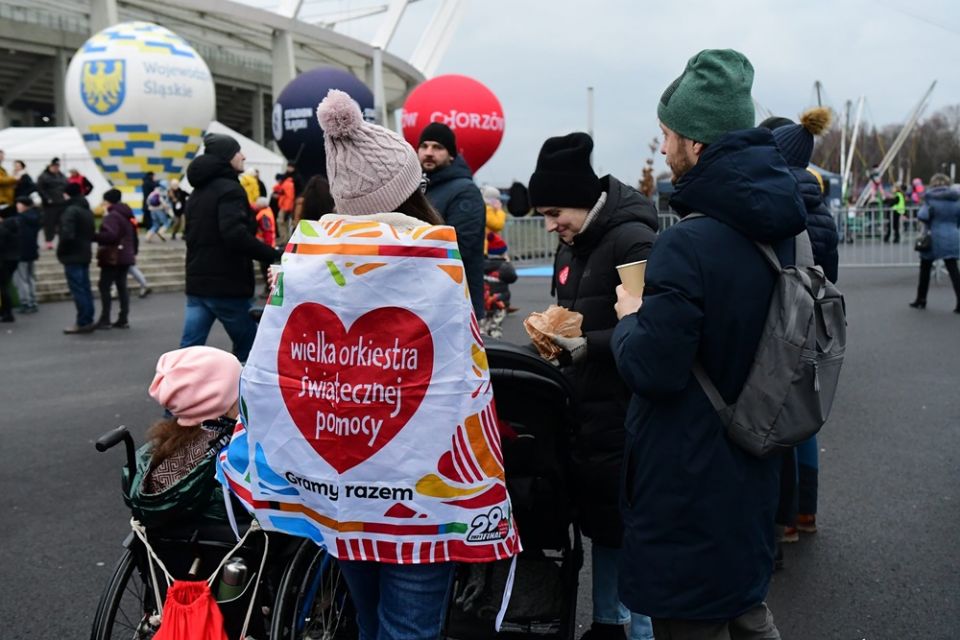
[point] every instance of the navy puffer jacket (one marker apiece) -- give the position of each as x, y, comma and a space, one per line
457, 198
821, 226
698, 511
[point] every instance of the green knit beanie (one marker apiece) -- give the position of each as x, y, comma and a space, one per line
711, 96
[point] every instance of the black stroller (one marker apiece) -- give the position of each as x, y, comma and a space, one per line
536, 408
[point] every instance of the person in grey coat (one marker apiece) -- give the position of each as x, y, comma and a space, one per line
941, 214
453, 193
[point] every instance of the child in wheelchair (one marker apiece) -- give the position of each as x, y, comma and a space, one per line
180, 526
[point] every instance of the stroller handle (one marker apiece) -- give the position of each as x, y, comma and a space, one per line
112, 438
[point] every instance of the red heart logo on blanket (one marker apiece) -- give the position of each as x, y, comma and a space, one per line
351, 392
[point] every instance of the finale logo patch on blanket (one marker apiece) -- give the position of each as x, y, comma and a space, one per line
367, 420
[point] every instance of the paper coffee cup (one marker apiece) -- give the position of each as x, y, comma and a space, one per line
631, 275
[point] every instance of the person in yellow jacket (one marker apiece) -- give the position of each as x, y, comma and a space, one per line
496, 216
897, 210
8, 184
248, 179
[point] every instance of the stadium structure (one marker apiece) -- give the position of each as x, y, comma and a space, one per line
253, 49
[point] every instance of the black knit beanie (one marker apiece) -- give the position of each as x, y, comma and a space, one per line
112, 196
564, 177
220, 145
442, 135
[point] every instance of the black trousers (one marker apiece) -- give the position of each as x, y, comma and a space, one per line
7, 268
51, 219
893, 221
924, 285
110, 276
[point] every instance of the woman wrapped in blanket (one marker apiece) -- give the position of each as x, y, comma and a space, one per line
374, 174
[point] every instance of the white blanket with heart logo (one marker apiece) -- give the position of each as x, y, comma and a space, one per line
367, 420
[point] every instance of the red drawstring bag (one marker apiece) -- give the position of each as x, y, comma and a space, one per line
191, 613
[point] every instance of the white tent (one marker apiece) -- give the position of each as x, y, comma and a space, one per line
37, 146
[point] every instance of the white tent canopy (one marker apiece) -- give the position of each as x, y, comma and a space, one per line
37, 146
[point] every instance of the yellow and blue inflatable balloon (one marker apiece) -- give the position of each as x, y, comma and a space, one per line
142, 98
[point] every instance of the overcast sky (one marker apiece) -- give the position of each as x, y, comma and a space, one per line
539, 56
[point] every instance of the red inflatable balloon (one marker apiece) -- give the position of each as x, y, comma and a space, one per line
464, 105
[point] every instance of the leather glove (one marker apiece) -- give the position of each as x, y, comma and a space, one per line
574, 350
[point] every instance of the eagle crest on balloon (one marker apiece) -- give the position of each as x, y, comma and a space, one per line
103, 85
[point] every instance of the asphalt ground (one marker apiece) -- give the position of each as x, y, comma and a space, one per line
885, 563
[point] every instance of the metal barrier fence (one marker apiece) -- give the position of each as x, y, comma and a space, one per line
864, 240
869, 237
528, 241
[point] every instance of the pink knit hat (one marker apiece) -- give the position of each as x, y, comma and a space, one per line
370, 169
196, 383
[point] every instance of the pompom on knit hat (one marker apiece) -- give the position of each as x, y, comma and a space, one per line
711, 97
564, 177
196, 383
371, 169
490, 194
795, 141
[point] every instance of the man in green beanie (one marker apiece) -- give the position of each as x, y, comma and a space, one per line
698, 510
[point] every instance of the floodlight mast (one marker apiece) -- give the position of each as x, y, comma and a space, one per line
437, 36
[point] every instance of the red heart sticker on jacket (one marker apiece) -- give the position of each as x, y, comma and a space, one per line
351, 392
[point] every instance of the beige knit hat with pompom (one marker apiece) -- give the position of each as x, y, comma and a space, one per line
370, 169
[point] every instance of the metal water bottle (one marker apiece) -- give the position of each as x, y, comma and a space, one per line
233, 579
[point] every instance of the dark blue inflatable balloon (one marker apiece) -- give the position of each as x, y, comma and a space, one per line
295, 126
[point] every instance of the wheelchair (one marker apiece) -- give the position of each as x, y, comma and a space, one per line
131, 605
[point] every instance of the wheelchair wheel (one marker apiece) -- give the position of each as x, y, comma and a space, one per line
127, 604
312, 601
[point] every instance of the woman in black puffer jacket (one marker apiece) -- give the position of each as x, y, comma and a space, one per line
601, 223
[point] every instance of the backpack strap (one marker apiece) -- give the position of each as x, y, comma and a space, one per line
724, 410
804, 249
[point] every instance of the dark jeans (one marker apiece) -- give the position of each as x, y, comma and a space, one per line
799, 480
231, 312
51, 219
756, 624
924, 285
78, 279
110, 276
7, 269
399, 602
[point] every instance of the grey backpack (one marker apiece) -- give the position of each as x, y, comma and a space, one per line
790, 388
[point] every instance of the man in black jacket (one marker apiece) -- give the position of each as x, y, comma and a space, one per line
221, 248
457, 198
51, 185
601, 223
74, 253
698, 510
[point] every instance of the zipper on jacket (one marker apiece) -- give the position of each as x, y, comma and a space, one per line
816, 377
